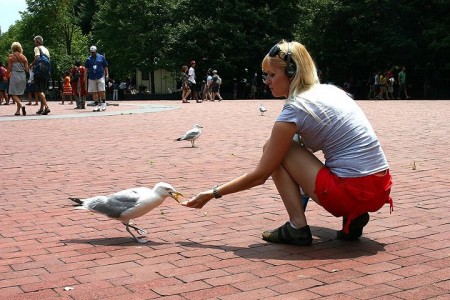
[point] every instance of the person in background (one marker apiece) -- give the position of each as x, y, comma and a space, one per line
30, 90
115, 90
376, 84
402, 83
185, 89
67, 89
207, 88
98, 73
122, 89
216, 83
354, 179
3, 84
40, 83
192, 82
17, 68
382, 86
390, 85
78, 82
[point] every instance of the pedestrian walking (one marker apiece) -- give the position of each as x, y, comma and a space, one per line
40, 80
17, 68
216, 83
402, 84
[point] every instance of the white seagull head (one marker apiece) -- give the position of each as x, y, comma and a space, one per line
166, 190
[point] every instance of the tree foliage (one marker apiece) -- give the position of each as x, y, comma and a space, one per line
134, 33
231, 36
346, 38
354, 38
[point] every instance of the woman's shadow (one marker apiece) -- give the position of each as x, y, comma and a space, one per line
325, 246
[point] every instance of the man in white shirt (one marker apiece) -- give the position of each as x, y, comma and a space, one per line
192, 83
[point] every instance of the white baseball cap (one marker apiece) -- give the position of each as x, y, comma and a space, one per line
93, 49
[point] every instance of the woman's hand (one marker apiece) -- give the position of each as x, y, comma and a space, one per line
200, 200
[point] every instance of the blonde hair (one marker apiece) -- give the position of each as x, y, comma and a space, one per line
184, 68
305, 75
16, 47
306, 72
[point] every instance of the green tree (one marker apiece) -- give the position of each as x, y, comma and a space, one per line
353, 38
230, 36
85, 10
134, 34
346, 38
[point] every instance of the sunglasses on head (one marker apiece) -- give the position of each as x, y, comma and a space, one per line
291, 67
276, 51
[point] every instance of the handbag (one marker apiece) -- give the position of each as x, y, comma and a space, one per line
23, 66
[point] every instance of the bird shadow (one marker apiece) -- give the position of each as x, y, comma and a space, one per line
325, 246
123, 241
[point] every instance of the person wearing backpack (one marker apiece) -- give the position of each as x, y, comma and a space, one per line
97, 73
40, 80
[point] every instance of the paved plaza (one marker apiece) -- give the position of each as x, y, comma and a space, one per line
48, 250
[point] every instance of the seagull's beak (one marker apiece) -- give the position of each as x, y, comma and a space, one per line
175, 195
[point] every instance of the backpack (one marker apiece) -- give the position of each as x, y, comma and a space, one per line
42, 66
219, 80
75, 75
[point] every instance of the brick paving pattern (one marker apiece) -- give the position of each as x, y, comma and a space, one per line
50, 251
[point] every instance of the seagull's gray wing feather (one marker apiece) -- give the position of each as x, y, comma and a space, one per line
114, 205
190, 135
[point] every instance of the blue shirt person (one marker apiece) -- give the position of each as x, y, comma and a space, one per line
97, 72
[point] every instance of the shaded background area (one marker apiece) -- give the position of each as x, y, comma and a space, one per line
349, 40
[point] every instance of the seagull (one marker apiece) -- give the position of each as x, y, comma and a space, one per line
129, 204
262, 109
191, 135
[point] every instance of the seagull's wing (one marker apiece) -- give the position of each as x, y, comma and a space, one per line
191, 134
114, 205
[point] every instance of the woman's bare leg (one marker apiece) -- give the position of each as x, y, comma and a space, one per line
299, 168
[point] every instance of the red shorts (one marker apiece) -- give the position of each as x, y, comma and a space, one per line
351, 197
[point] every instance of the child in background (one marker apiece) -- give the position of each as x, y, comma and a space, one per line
31, 90
67, 89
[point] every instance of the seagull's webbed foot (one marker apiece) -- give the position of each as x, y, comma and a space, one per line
138, 230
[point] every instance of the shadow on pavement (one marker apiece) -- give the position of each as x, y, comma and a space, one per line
124, 241
322, 248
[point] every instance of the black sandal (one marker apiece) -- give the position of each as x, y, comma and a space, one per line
355, 228
286, 234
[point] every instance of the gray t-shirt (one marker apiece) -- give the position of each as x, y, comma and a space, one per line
329, 120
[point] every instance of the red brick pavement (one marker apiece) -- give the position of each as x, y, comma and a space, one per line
47, 248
